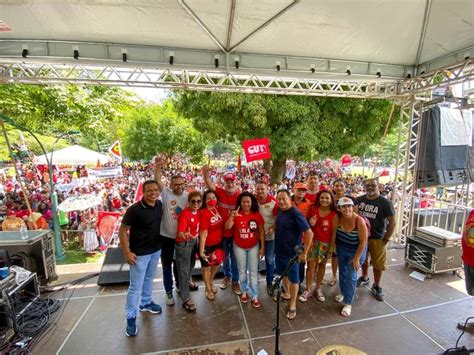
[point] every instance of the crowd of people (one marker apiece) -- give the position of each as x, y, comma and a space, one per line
225, 224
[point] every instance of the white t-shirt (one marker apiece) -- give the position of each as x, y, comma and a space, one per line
172, 207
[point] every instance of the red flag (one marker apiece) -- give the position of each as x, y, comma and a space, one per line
385, 172
256, 149
139, 192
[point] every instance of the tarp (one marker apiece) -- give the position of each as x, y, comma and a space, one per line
74, 155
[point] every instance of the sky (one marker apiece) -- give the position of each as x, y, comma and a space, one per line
150, 94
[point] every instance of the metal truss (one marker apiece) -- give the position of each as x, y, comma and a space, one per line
410, 118
51, 73
448, 75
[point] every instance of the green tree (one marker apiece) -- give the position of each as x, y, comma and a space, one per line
159, 129
95, 111
299, 127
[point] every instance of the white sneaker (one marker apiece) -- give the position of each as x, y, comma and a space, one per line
169, 299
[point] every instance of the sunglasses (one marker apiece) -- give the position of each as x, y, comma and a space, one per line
195, 201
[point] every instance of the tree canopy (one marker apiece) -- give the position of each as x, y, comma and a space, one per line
299, 127
159, 129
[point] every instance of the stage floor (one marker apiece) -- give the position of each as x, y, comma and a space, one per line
417, 317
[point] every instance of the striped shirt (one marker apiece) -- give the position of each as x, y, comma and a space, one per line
349, 240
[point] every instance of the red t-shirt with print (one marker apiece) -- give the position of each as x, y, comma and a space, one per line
188, 221
245, 229
322, 230
213, 223
225, 204
468, 241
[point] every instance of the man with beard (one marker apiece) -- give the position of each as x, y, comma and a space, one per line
379, 211
227, 199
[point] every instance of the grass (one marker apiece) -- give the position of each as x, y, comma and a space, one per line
73, 254
79, 257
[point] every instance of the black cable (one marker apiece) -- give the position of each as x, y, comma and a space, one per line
460, 350
70, 283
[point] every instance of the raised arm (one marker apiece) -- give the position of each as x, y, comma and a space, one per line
207, 180
159, 163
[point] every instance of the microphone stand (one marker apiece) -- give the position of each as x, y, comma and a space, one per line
276, 287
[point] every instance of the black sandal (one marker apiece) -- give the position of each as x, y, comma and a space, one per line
189, 306
193, 287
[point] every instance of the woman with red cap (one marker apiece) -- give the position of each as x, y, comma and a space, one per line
211, 228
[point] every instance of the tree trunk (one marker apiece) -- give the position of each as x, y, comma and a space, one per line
267, 165
278, 169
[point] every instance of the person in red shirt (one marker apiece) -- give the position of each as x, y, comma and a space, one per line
211, 227
313, 186
246, 223
186, 246
322, 218
468, 259
227, 198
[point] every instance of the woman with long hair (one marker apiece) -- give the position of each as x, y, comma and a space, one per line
322, 218
249, 244
211, 228
350, 238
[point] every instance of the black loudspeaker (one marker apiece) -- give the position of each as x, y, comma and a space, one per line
437, 164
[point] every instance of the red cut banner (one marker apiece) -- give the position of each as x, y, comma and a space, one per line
256, 149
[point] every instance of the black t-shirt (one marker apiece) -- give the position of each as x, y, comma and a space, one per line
144, 223
377, 211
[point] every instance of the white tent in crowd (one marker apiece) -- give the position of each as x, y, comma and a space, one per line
74, 155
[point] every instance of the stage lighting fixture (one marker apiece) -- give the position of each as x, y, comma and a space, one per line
236, 61
408, 75
24, 52
171, 61
216, 62
313, 68
348, 71
76, 54
278, 66
124, 57
379, 74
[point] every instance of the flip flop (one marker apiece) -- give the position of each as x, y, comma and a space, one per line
214, 289
346, 310
332, 282
189, 306
210, 296
291, 314
284, 298
193, 286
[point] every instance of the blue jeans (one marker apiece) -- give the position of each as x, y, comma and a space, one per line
141, 283
247, 261
230, 263
168, 263
347, 274
270, 260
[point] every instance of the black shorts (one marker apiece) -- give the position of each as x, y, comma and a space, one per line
208, 251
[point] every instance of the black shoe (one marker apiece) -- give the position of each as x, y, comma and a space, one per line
131, 330
377, 292
362, 282
270, 290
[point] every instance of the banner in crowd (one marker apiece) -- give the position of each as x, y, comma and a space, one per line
290, 170
107, 223
256, 149
102, 173
116, 151
139, 192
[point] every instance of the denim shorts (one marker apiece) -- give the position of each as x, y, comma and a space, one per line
293, 273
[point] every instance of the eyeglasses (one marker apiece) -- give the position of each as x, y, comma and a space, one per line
195, 201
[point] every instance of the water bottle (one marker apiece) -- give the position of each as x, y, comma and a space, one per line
23, 232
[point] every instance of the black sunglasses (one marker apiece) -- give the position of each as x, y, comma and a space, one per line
195, 201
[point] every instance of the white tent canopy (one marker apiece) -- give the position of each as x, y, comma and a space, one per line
74, 155
391, 37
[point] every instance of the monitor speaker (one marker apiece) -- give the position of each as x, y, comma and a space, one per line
438, 164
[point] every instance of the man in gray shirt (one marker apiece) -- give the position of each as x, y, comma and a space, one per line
174, 200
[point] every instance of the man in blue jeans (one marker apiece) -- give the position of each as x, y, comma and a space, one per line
268, 208
140, 239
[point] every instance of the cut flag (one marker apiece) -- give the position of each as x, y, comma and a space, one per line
116, 151
256, 149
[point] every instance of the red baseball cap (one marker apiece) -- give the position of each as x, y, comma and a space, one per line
229, 176
301, 186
